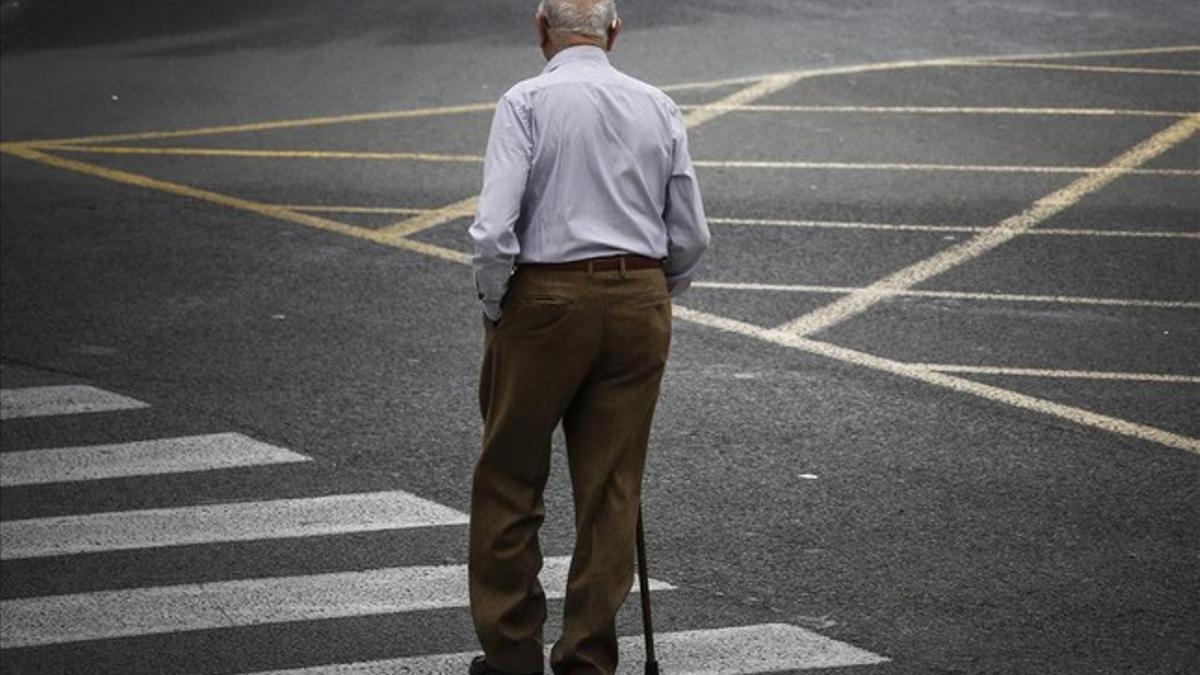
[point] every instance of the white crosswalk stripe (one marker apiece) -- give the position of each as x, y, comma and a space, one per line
218, 523
246, 602
140, 458
764, 648
243, 603
61, 400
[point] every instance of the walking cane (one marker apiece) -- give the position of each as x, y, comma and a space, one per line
644, 582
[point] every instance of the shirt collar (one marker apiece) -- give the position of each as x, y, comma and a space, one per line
578, 53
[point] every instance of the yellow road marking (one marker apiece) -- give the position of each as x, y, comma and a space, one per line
1061, 374
382, 210
1077, 415
902, 227
708, 114
917, 372
431, 219
268, 210
1139, 51
263, 154
940, 110
764, 87
485, 106
1042, 210
274, 124
712, 84
1088, 69
953, 295
953, 168
815, 224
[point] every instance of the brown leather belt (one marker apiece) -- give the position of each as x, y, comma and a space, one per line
610, 264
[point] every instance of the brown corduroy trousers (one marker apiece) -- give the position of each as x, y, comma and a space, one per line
586, 348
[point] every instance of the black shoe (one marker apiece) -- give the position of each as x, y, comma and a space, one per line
480, 666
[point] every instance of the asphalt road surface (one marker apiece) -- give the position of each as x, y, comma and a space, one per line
934, 406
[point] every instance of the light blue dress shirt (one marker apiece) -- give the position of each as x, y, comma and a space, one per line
583, 162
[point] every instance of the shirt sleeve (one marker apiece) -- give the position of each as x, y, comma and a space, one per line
505, 172
687, 228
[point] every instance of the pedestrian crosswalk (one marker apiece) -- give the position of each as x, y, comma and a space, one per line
50, 621
763, 648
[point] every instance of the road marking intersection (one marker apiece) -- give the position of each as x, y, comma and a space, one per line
1004, 231
1079, 416
765, 85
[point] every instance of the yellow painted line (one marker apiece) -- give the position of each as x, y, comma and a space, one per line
952, 295
486, 106
954, 168
940, 110
1077, 415
381, 210
1173, 49
711, 84
268, 210
263, 154
919, 373
275, 124
432, 219
905, 227
1133, 234
1008, 229
1061, 374
764, 87
1087, 69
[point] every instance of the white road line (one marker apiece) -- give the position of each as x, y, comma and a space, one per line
940, 110
106, 615
954, 295
944, 168
214, 523
61, 400
1072, 414
140, 458
1008, 229
902, 227
1061, 374
766, 648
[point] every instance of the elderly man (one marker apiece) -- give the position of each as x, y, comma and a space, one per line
589, 220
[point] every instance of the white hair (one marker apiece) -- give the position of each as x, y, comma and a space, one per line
592, 18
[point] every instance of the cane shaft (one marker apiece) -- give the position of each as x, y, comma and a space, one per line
644, 583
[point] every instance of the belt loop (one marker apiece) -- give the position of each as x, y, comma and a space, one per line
591, 268
622, 259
